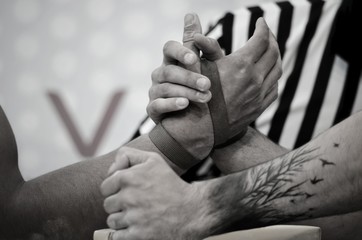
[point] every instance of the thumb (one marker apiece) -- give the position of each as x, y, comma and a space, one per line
192, 26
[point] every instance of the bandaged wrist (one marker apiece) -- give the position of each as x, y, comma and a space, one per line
169, 147
223, 134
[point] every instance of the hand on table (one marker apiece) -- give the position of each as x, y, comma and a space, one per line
147, 200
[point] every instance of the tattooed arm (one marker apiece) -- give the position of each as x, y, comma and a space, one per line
322, 178
255, 148
252, 149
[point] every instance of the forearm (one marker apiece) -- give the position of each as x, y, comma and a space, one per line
292, 187
65, 203
252, 149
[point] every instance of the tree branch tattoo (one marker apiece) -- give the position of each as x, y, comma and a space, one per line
263, 184
269, 183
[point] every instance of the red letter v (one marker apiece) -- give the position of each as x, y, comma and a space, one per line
86, 149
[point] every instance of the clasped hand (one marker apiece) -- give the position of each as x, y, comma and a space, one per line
144, 197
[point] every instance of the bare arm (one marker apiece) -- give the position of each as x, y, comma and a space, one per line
252, 149
292, 187
321, 178
66, 203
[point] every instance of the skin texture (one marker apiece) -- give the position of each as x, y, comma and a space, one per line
285, 189
253, 70
251, 150
150, 196
67, 203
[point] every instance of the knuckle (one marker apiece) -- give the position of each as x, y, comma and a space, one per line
247, 64
155, 75
167, 46
166, 89
168, 72
130, 175
152, 93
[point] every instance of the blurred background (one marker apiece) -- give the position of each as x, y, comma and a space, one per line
74, 75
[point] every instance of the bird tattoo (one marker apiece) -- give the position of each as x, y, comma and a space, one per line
316, 180
325, 162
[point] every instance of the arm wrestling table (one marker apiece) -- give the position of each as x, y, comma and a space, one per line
275, 232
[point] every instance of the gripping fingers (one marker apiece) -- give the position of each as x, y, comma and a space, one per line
123, 234
117, 220
112, 184
210, 47
169, 90
160, 106
181, 76
174, 52
113, 203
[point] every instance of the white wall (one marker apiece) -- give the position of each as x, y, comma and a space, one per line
84, 52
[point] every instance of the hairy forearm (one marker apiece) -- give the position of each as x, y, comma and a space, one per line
63, 204
252, 149
292, 187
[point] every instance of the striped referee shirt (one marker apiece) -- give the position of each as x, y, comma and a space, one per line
320, 46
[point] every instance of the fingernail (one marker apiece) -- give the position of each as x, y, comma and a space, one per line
189, 58
201, 84
189, 20
181, 102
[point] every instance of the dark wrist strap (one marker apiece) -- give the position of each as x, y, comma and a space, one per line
171, 148
217, 105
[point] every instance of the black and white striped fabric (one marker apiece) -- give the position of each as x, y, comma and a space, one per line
320, 47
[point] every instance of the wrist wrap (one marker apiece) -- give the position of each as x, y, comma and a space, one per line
171, 148
219, 117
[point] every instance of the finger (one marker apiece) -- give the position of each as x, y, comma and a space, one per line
192, 26
113, 183
117, 220
272, 77
120, 235
174, 52
121, 162
210, 47
179, 75
113, 203
136, 156
257, 44
169, 90
269, 58
158, 107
